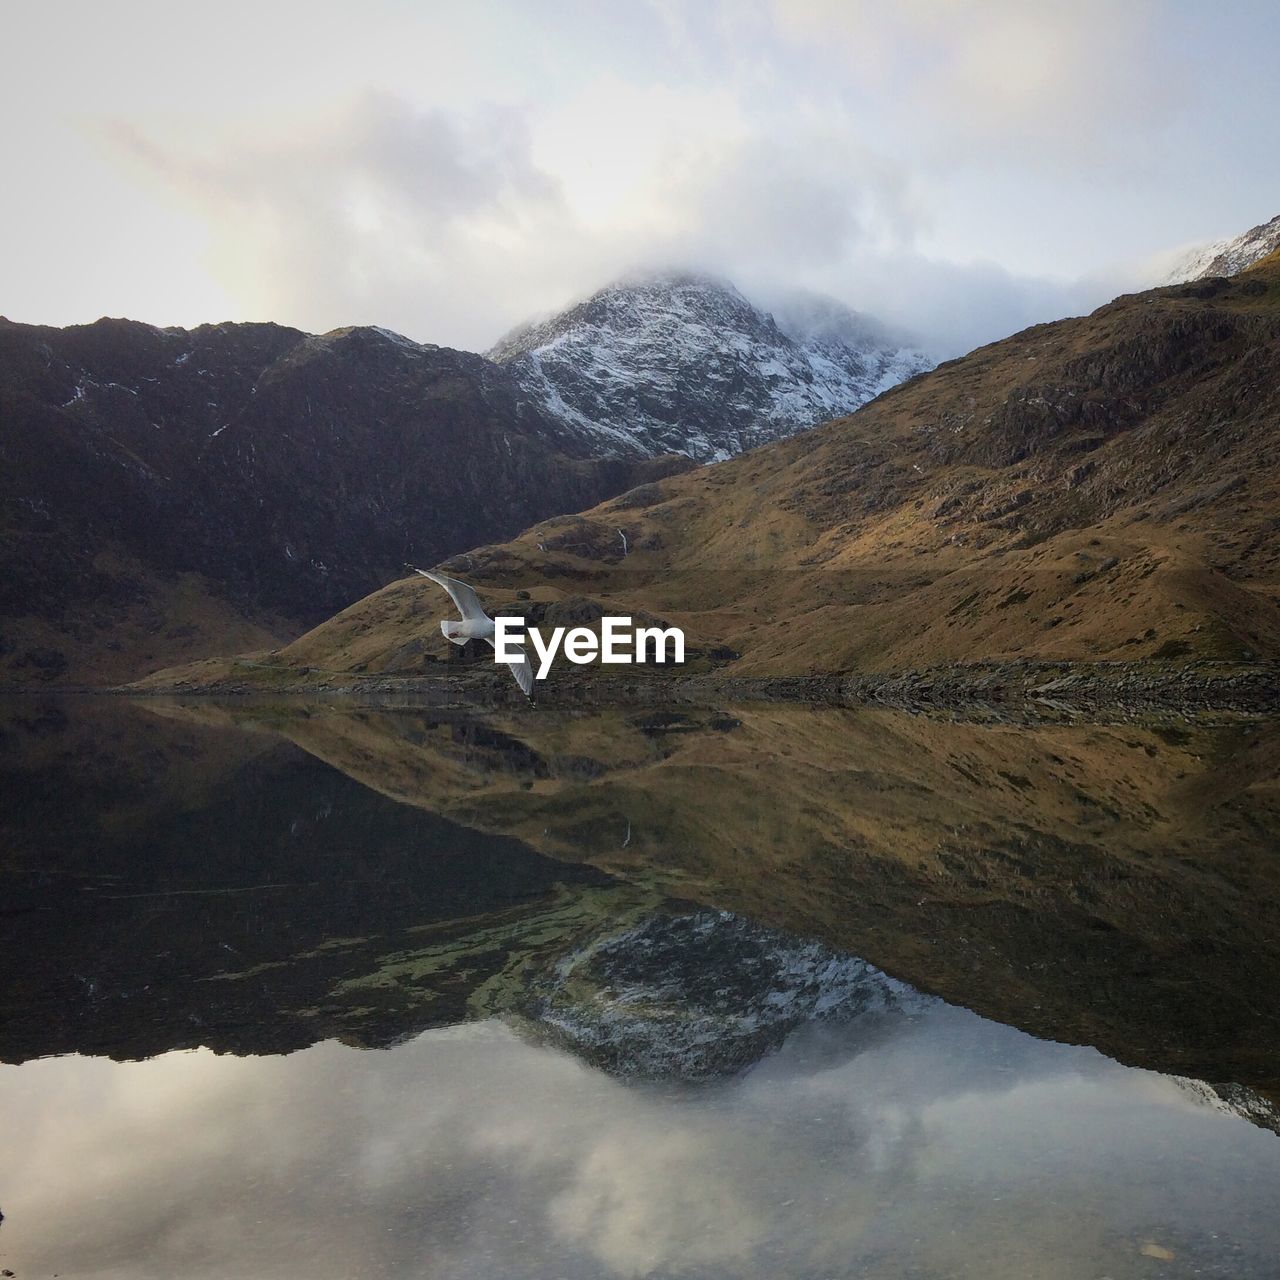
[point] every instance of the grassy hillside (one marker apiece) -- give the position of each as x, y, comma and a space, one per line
1101, 487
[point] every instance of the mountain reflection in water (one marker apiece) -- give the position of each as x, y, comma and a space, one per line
629, 976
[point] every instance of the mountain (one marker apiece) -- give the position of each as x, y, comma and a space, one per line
1227, 257
167, 493
1233, 1100
683, 363
1102, 487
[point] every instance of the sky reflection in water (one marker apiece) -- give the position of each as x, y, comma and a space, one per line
937, 1145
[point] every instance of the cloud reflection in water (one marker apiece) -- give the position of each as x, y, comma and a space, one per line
943, 1144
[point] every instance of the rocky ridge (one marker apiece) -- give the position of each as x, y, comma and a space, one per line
166, 493
684, 363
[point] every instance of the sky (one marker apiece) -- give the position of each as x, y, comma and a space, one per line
959, 167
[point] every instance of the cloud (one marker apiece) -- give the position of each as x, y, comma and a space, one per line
955, 307
978, 78
449, 173
808, 201
449, 228
453, 226
371, 211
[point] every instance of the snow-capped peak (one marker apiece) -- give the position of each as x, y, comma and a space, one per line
682, 362
1226, 257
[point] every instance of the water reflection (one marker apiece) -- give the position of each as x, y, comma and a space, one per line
170, 891
1112, 885
617, 954
947, 1147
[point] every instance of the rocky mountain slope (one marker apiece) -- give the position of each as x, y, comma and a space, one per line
1227, 257
166, 493
683, 363
1101, 487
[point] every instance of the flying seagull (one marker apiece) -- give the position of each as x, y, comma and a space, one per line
476, 625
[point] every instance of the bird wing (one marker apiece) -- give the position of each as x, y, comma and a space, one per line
462, 594
521, 668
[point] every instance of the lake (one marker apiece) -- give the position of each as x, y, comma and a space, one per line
308, 989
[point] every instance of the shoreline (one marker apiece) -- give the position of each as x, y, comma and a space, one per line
1035, 690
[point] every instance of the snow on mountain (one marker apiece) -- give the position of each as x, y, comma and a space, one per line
1231, 1100
705, 994
683, 363
1226, 257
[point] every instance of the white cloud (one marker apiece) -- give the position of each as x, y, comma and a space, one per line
984, 75
450, 227
370, 211
961, 165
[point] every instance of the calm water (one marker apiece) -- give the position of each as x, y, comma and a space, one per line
750, 992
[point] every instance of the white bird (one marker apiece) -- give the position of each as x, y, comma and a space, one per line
477, 625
